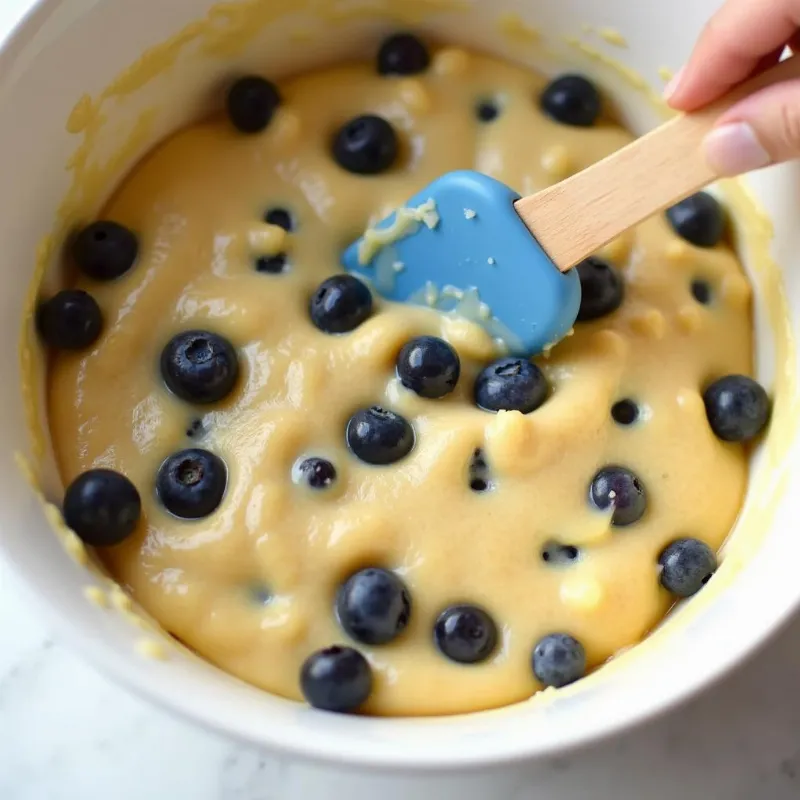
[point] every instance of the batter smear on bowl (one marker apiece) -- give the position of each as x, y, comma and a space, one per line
372, 506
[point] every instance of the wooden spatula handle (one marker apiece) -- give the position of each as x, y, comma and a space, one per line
575, 218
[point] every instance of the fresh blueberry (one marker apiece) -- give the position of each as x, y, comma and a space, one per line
280, 217
105, 250
487, 111
336, 679
465, 634
560, 554
698, 219
572, 100
686, 566
602, 289
70, 320
625, 412
191, 484
428, 366
701, 291
199, 367
102, 507
379, 437
479, 475
373, 606
402, 54
366, 145
619, 490
272, 265
511, 384
252, 102
737, 408
317, 473
340, 304
559, 660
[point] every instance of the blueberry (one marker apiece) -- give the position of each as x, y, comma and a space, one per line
686, 566
559, 660
70, 320
340, 304
280, 217
560, 554
698, 219
479, 476
191, 484
572, 100
373, 606
199, 367
102, 507
105, 250
618, 489
273, 265
366, 145
511, 384
465, 634
336, 679
602, 289
701, 292
317, 473
737, 408
428, 366
402, 54
487, 111
252, 102
625, 412
379, 437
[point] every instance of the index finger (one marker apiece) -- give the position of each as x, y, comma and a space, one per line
733, 44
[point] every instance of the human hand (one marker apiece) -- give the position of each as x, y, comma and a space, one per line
743, 38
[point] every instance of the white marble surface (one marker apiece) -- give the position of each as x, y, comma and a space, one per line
66, 732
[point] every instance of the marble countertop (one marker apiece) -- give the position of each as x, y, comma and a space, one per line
67, 732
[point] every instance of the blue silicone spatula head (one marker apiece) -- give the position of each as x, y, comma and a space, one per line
460, 246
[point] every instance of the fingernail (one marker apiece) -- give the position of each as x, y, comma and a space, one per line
673, 84
734, 149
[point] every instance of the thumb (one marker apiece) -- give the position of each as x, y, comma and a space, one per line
764, 129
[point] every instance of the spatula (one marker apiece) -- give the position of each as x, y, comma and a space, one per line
469, 244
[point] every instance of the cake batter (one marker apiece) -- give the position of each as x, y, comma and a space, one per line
498, 539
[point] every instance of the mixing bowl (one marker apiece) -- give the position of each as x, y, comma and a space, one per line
86, 87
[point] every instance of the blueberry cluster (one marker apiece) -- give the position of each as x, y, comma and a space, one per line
373, 607
737, 408
101, 506
104, 507
72, 319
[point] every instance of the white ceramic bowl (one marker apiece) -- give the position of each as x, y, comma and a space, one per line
65, 49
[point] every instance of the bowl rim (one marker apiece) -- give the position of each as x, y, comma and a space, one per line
303, 741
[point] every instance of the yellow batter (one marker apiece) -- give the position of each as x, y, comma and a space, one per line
197, 203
